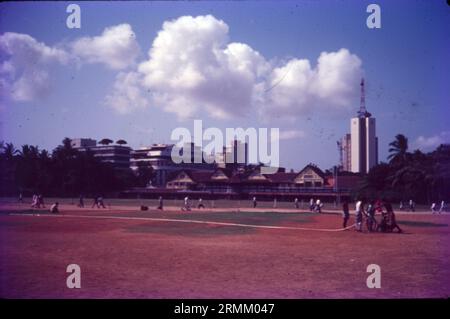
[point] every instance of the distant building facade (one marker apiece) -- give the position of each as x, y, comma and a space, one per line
117, 156
346, 145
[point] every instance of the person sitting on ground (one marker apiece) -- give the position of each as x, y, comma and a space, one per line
54, 208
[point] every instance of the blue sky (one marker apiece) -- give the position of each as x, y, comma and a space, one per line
407, 81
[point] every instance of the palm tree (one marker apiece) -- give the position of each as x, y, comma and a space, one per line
105, 141
9, 151
121, 142
398, 149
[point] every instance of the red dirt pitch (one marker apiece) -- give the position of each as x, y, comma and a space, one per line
135, 257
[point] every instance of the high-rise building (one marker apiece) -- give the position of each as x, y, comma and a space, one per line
364, 143
346, 145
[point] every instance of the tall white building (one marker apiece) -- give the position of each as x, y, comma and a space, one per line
364, 143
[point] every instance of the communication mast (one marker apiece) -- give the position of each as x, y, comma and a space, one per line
362, 113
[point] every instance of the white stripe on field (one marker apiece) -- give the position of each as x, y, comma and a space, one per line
189, 221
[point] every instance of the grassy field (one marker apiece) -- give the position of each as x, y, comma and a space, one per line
222, 253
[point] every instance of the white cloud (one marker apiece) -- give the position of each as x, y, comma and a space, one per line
297, 88
428, 143
23, 70
128, 94
116, 47
25, 63
193, 69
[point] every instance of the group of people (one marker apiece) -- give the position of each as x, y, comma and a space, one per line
387, 223
435, 210
315, 206
187, 204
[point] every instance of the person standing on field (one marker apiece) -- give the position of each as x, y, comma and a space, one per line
160, 203
254, 202
81, 201
318, 207
359, 208
296, 203
200, 203
441, 208
345, 214
433, 208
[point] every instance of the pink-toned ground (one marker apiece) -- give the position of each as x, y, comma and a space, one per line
140, 258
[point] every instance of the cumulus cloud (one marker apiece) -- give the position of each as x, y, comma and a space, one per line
193, 69
25, 63
128, 93
431, 142
23, 70
116, 47
298, 88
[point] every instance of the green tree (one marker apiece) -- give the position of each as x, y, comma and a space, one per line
105, 141
121, 142
398, 149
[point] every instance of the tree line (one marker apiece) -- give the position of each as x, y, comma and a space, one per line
422, 177
63, 172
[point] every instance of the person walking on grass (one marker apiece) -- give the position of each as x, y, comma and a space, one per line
412, 205
318, 207
200, 204
160, 203
186, 206
433, 208
95, 203
81, 201
345, 214
442, 207
100, 202
41, 201
34, 201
